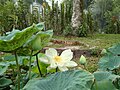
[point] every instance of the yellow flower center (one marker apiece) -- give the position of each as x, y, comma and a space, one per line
57, 59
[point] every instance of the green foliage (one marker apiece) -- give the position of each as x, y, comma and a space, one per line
57, 17
43, 67
38, 41
104, 80
29, 39
106, 15
86, 26
4, 82
98, 9
70, 80
107, 78
7, 18
82, 31
112, 18
104, 75
115, 49
68, 30
16, 38
104, 85
111, 60
15, 16
3, 69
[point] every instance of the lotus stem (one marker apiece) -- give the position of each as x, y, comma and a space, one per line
18, 70
56, 69
30, 65
85, 66
38, 65
96, 87
92, 84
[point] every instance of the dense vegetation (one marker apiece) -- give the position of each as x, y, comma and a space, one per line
101, 16
26, 28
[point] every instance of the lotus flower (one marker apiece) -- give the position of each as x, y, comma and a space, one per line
62, 62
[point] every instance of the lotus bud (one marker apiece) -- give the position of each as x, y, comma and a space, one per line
103, 52
82, 60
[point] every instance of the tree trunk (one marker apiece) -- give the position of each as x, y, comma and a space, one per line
76, 16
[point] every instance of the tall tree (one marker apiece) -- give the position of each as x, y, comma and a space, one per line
76, 16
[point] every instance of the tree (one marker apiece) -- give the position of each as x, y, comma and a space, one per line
77, 15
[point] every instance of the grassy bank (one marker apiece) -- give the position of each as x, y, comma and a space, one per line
98, 41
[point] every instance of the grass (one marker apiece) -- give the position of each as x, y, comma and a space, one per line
95, 42
98, 41
92, 63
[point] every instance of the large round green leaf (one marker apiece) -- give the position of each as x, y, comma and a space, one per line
3, 69
69, 80
40, 26
112, 59
104, 85
104, 75
110, 62
4, 82
40, 40
104, 81
115, 49
16, 38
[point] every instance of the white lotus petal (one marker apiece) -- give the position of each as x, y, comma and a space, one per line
63, 68
67, 55
71, 64
49, 67
53, 65
44, 60
61, 64
62, 61
51, 52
